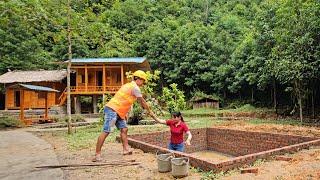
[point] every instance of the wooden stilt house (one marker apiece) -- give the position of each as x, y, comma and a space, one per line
97, 76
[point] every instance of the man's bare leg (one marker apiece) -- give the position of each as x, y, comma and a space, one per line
124, 139
102, 137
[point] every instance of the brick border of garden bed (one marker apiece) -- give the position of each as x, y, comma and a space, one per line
247, 146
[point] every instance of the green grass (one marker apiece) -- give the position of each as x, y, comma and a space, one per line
87, 137
201, 122
200, 111
203, 112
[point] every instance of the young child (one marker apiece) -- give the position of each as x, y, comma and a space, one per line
177, 128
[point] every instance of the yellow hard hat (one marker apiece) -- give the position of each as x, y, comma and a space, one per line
141, 74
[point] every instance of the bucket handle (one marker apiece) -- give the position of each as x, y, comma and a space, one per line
184, 162
171, 156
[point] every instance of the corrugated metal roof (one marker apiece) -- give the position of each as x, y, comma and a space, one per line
109, 60
38, 88
33, 76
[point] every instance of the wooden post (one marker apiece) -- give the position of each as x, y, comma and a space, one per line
95, 80
69, 69
21, 104
76, 71
46, 105
104, 78
86, 77
122, 75
6, 103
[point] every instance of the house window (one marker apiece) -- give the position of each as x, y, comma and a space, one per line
118, 78
42, 95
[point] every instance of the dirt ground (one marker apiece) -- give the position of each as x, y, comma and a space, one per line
304, 165
111, 152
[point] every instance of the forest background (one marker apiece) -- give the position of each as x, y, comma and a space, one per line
262, 52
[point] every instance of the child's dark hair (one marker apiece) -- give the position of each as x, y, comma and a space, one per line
177, 114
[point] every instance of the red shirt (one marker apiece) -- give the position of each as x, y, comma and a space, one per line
177, 131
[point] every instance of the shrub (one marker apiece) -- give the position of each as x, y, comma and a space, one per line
173, 98
136, 114
9, 121
74, 118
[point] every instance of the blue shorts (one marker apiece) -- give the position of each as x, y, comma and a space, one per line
176, 147
111, 119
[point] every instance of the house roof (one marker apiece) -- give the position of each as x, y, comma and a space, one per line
109, 60
33, 76
204, 97
37, 88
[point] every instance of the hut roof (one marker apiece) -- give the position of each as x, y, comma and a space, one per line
33, 76
35, 88
203, 97
109, 60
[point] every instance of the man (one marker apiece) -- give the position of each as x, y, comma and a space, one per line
117, 108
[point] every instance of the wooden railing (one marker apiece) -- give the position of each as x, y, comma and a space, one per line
87, 90
93, 89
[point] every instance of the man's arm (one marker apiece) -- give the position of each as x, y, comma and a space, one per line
144, 104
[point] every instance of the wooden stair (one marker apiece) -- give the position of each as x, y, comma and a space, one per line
63, 97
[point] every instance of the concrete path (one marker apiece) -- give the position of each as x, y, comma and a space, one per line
21, 152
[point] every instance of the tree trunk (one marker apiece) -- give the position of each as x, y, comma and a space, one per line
299, 96
300, 107
68, 71
274, 95
312, 102
252, 95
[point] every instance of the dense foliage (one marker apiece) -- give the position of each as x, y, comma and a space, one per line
263, 51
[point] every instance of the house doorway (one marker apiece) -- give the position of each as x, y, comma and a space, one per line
99, 75
2, 101
17, 98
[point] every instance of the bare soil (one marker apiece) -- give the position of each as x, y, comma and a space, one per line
304, 165
111, 152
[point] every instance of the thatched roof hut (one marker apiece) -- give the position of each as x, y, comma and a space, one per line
33, 76
201, 100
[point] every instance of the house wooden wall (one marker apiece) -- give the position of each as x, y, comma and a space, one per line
34, 99
212, 104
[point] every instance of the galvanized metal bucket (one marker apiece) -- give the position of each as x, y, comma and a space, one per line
180, 167
164, 161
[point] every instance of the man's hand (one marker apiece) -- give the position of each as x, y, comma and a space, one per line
152, 115
160, 121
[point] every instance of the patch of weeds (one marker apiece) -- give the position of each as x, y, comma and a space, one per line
74, 118
278, 178
258, 162
206, 175
9, 121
